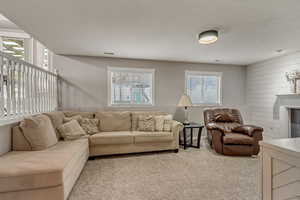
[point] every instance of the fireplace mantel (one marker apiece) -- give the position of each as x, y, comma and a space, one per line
282, 111
288, 95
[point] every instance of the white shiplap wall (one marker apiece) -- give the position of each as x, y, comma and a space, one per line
264, 81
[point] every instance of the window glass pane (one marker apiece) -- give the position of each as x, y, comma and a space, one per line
131, 87
203, 89
14, 47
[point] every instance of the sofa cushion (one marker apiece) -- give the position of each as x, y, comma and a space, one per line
237, 138
56, 118
117, 137
90, 126
144, 137
39, 132
135, 116
71, 130
146, 123
89, 115
25, 170
19, 142
114, 121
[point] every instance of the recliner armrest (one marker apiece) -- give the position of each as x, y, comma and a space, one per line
214, 126
247, 129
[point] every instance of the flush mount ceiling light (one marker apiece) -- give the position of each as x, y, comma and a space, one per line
208, 37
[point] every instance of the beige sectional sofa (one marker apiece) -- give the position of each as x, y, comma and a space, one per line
51, 173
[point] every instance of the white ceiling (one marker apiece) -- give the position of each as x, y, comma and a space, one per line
6, 23
250, 30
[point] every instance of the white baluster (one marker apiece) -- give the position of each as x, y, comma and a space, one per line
41, 91
2, 111
24, 101
19, 111
8, 98
29, 89
44, 91
37, 90
48, 92
33, 92
52, 92
13, 87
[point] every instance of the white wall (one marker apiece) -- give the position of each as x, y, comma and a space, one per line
87, 83
5, 139
264, 81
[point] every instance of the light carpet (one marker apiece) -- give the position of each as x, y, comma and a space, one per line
191, 174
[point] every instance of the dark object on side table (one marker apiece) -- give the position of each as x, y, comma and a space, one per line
228, 135
191, 126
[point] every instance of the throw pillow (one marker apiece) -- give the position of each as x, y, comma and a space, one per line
160, 120
146, 123
71, 130
39, 132
168, 125
90, 126
75, 117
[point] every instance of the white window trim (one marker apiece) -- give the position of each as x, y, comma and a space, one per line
109, 86
219, 74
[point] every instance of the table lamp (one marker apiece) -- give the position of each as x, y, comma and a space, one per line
185, 101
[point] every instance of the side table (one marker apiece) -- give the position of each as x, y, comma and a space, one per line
192, 126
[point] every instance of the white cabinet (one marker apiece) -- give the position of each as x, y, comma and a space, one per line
280, 169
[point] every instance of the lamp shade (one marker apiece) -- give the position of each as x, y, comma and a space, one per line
185, 101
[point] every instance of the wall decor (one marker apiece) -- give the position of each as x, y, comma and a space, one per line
297, 85
293, 77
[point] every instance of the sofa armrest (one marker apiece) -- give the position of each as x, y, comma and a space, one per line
248, 129
176, 128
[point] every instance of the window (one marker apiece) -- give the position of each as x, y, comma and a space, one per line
204, 88
130, 86
14, 47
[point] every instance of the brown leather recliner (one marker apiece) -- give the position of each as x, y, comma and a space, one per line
228, 135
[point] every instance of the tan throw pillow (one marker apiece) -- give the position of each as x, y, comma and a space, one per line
146, 123
71, 130
90, 126
159, 121
75, 117
57, 118
168, 125
39, 132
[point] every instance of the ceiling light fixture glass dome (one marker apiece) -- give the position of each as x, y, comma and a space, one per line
208, 37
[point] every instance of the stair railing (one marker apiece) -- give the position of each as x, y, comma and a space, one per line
25, 89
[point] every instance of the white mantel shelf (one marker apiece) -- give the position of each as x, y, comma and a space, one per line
289, 95
285, 145
280, 169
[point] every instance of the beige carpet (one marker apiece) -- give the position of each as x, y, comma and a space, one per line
193, 174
